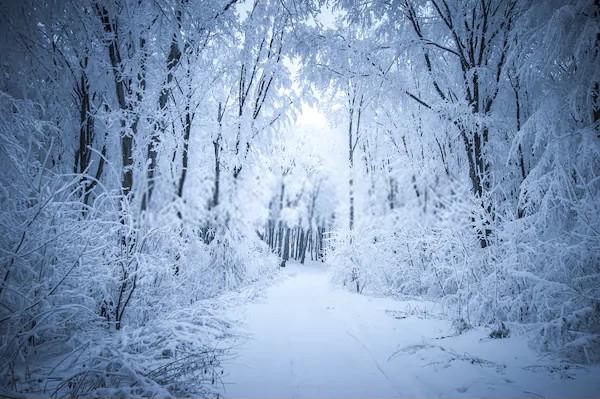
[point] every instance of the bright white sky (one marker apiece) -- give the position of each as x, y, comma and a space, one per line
319, 138
312, 117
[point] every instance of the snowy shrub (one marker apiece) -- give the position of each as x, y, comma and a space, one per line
577, 335
500, 331
95, 302
460, 326
228, 260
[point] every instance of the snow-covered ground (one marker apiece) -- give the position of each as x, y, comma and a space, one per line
307, 338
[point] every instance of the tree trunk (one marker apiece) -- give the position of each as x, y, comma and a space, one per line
305, 245
286, 247
185, 156
83, 157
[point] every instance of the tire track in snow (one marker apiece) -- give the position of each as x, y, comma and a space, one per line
375, 362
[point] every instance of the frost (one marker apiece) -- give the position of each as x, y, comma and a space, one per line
163, 162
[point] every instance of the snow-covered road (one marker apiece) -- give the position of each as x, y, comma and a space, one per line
307, 338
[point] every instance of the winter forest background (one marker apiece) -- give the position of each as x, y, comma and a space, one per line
159, 157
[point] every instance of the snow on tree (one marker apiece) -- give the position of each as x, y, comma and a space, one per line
155, 157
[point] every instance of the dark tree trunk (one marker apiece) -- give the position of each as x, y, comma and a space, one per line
286, 247
83, 157
185, 155
217, 151
304, 245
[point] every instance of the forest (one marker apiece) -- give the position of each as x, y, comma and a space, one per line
163, 162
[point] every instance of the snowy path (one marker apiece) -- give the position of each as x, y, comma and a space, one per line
307, 338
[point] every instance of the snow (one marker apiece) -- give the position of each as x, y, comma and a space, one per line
308, 338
